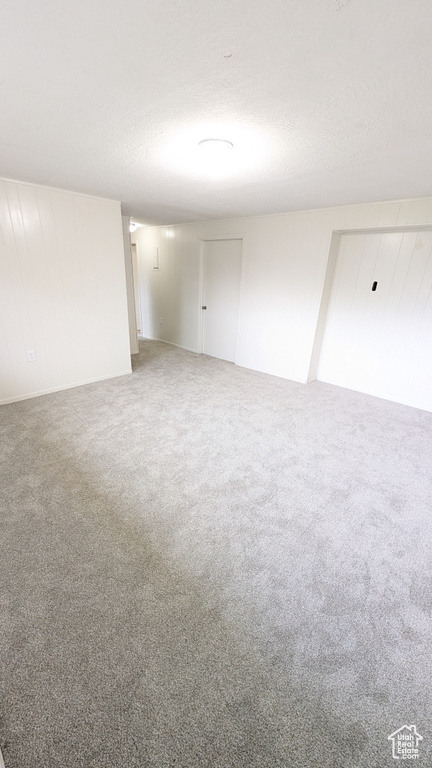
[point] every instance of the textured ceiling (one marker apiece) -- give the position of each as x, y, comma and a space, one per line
327, 102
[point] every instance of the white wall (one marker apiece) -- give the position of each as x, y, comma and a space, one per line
62, 290
286, 262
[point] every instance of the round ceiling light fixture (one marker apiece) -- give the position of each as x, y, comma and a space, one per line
215, 158
216, 145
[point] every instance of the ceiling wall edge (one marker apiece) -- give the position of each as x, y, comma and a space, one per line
60, 189
304, 211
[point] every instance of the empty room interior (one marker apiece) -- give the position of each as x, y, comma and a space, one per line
215, 384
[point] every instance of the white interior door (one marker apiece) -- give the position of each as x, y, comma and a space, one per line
221, 297
378, 334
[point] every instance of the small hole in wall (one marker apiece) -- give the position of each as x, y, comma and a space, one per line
374, 285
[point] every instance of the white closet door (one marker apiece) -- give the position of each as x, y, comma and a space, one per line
380, 341
221, 297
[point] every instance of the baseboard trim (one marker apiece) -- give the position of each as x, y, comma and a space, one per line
41, 392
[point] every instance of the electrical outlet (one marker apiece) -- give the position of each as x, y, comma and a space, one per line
161, 320
31, 357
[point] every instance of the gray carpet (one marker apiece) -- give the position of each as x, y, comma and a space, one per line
206, 566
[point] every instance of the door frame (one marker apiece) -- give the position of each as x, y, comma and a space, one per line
135, 278
202, 241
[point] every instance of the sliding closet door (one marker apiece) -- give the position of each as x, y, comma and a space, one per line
378, 335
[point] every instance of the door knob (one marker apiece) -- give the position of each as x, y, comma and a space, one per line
203, 307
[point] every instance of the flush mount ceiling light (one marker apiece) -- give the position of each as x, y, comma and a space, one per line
215, 157
214, 151
216, 145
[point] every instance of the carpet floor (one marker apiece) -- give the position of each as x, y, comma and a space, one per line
202, 565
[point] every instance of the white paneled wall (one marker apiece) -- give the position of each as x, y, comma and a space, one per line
62, 290
378, 335
286, 279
